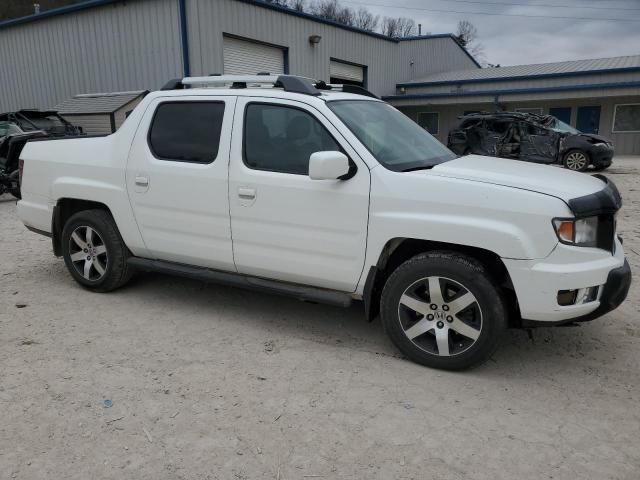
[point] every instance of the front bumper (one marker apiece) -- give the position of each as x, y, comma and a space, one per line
601, 156
537, 283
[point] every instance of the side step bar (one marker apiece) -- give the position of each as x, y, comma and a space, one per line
301, 292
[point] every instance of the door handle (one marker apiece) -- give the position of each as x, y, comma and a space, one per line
142, 181
247, 193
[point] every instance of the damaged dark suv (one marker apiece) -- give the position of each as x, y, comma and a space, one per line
530, 137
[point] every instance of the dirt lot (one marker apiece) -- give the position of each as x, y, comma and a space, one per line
209, 382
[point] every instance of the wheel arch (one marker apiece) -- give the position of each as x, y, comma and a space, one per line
63, 210
397, 250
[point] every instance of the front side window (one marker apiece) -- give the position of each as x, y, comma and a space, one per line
396, 141
627, 118
186, 131
429, 121
281, 139
560, 126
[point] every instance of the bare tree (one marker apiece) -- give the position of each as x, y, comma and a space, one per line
398, 27
298, 5
365, 20
332, 10
467, 36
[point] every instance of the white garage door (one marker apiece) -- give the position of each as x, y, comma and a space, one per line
248, 58
346, 71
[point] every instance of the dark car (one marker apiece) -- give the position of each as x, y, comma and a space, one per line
48, 121
530, 137
16, 129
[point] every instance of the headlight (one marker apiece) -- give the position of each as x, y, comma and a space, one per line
582, 232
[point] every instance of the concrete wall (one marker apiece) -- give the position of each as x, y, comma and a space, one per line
625, 143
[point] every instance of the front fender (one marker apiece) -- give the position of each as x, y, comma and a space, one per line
509, 222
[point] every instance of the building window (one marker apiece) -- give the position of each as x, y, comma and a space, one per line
536, 110
626, 118
186, 131
430, 121
281, 139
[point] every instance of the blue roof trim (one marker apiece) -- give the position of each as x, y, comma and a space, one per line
76, 7
513, 91
519, 77
442, 35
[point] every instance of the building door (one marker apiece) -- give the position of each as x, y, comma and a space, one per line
346, 73
588, 119
245, 57
561, 113
285, 225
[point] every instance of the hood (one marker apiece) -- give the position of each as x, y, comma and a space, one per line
545, 179
595, 137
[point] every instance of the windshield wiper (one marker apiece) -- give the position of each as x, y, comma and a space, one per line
413, 169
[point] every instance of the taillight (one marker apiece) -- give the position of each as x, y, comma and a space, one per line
20, 169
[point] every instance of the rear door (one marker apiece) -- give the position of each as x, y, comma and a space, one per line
285, 225
177, 177
538, 144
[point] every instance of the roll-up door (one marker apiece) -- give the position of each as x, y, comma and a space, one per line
346, 71
242, 57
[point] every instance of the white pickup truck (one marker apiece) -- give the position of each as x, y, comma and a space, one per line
287, 185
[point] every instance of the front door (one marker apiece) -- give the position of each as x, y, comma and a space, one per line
588, 120
177, 177
538, 144
286, 226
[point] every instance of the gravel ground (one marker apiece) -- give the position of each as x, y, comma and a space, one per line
209, 382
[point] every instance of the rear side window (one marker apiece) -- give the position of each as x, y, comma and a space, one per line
281, 139
186, 131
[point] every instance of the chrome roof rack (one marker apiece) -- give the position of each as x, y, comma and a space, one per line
289, 83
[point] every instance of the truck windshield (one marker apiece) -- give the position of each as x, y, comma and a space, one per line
395, 141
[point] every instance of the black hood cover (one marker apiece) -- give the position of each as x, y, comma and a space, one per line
604, 202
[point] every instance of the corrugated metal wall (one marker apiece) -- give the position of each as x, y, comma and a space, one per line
119, 47
388, 62
136, 45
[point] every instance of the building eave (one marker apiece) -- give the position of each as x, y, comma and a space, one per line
513, 91
512, 78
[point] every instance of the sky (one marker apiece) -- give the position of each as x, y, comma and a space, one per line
604, 28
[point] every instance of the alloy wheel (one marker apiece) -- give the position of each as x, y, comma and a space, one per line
576, 161
440, 316
88, 253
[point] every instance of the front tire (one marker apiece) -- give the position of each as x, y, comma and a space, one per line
94, 251
442, 310
576, 160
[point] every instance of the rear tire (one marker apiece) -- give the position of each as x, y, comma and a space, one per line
443, 310
94, 251
576, 160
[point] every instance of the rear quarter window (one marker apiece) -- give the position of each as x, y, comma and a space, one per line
186, 131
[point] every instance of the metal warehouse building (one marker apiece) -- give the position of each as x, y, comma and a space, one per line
596, 96
137, 45
111, 45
